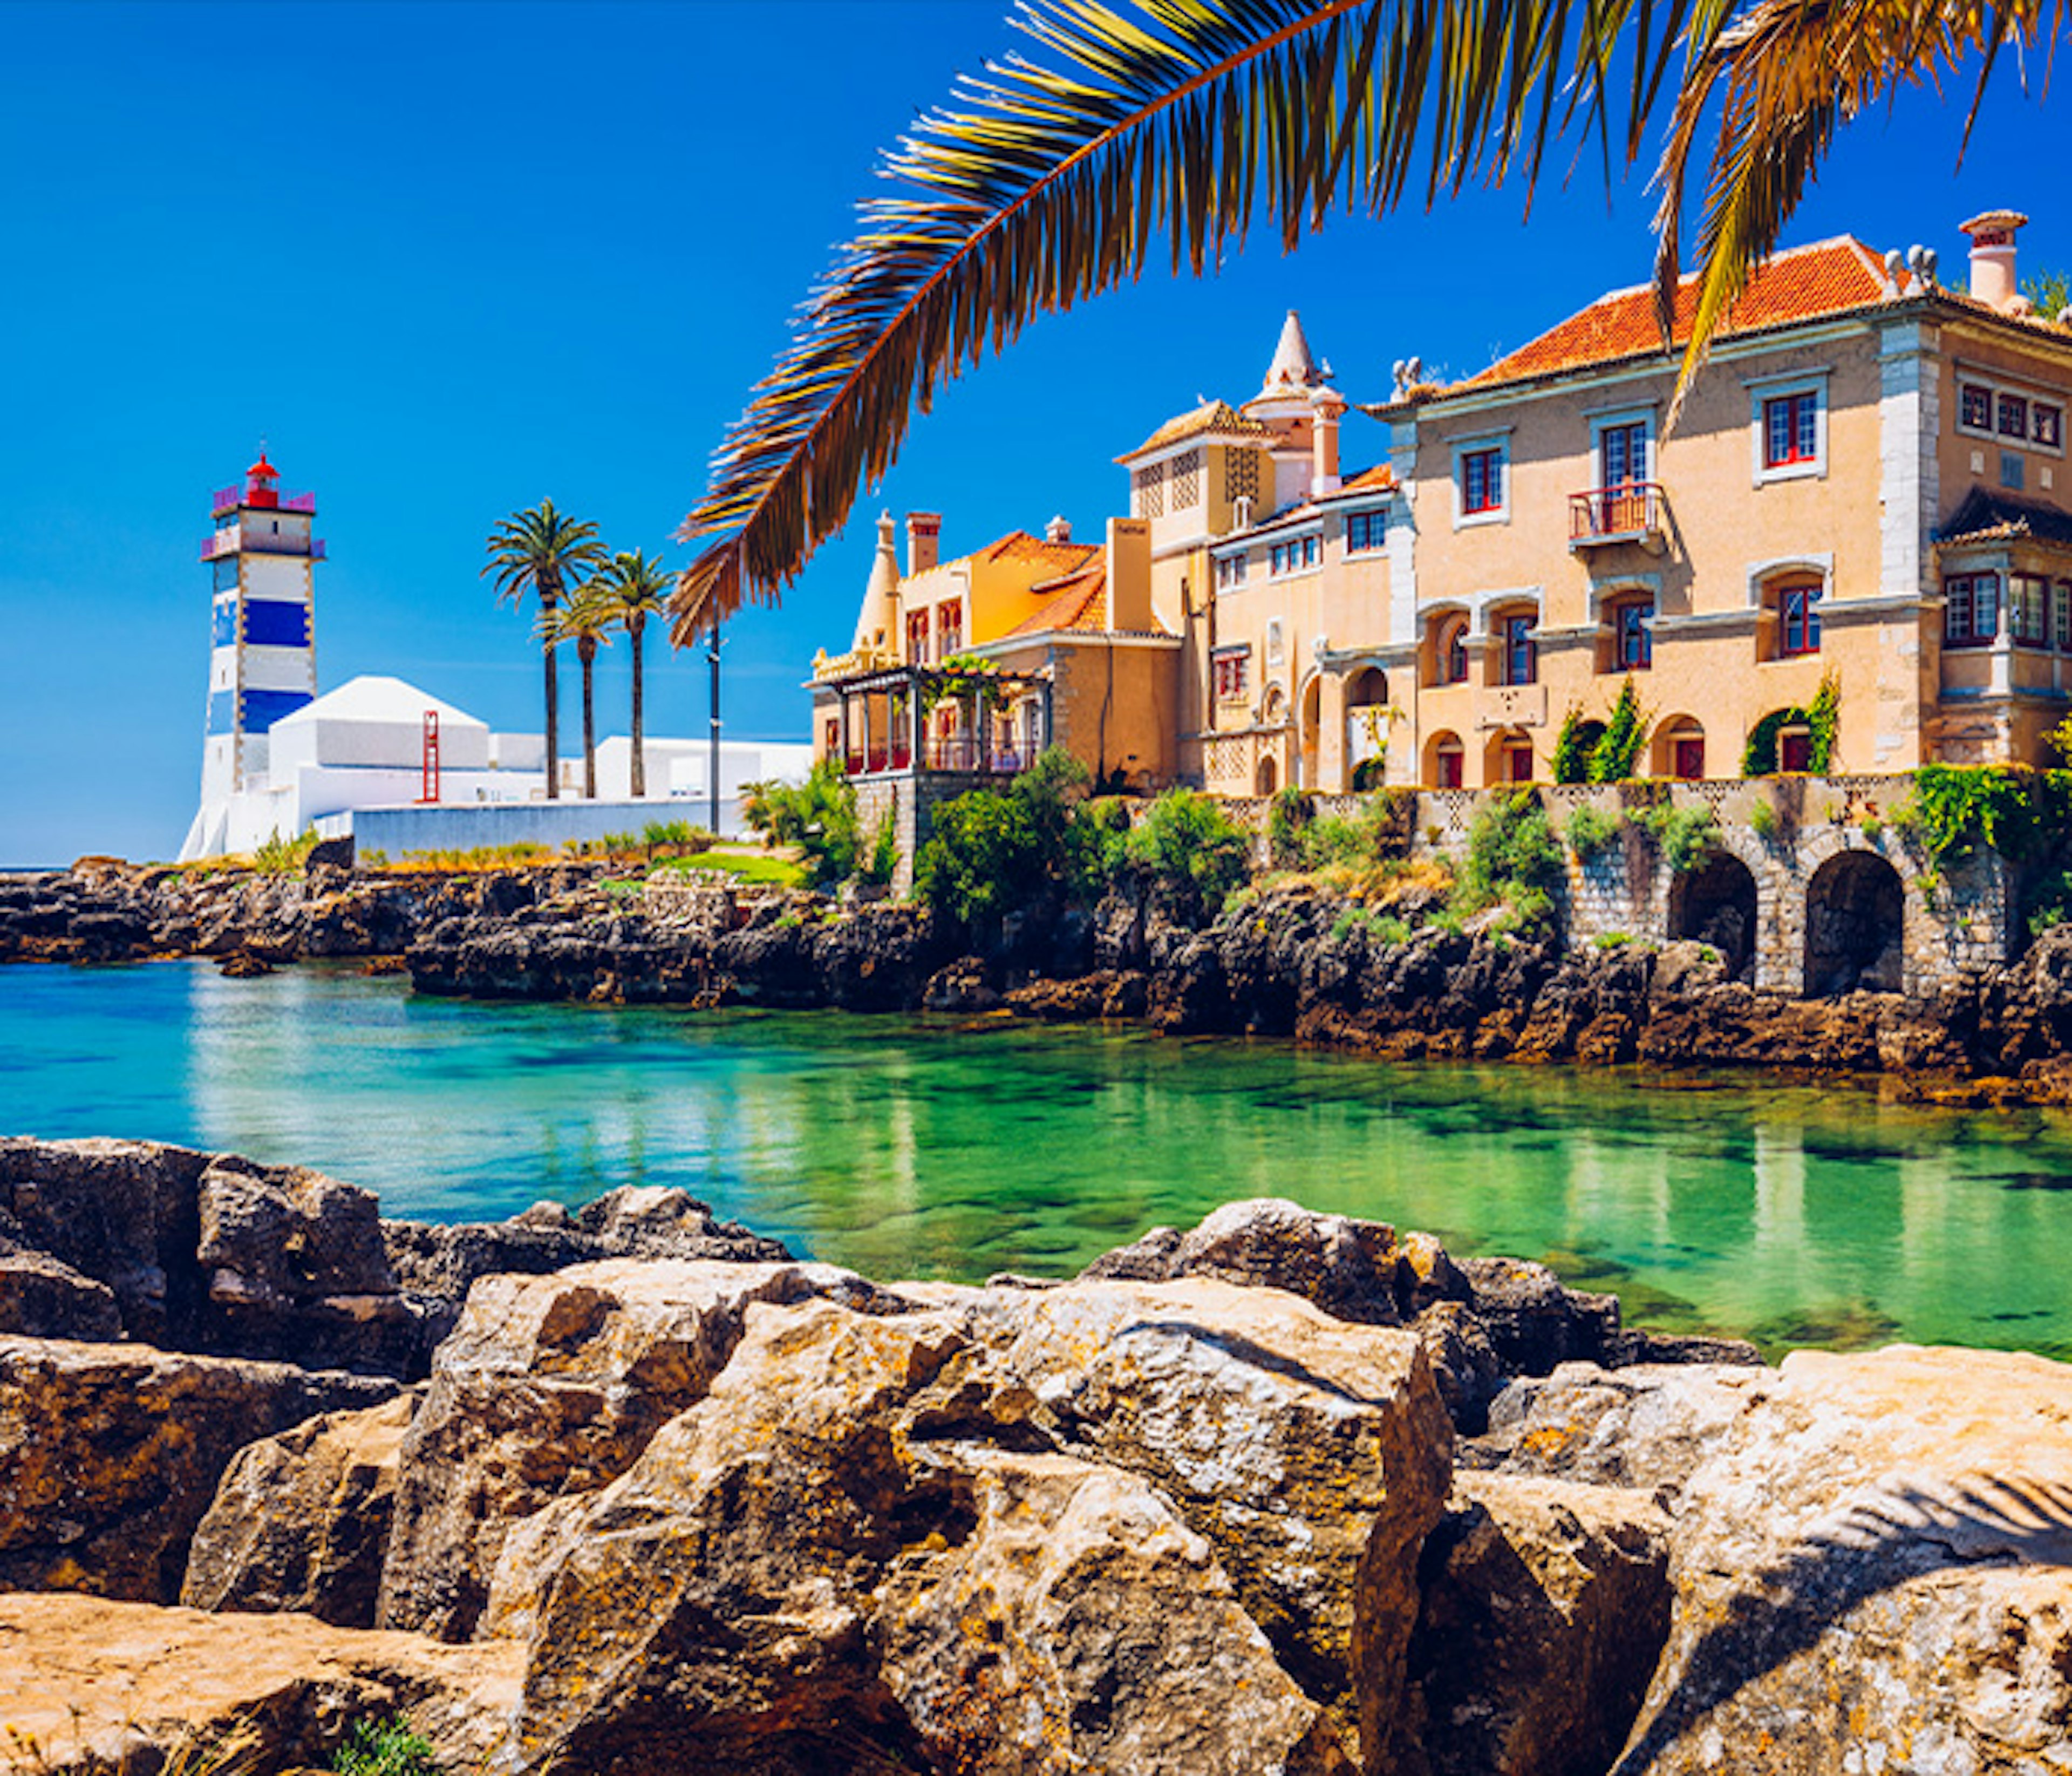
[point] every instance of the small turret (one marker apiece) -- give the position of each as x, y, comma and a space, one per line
878, 621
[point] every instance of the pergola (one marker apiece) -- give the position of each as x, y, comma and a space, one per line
884, 716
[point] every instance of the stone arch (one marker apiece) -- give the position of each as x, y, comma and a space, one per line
1855, 925
1309, 730
1718, 904
1273, 707
1446, 760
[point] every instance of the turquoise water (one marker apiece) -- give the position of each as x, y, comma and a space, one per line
908, 1149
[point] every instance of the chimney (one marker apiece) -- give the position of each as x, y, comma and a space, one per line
1327, 405
1058, 530
924, 533
1992, 259
1129, 575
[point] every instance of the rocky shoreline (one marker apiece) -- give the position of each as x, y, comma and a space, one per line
629, 1489
1294, 964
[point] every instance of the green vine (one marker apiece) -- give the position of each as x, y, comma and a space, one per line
1822, 719
1612, 758
1574, 746
959, 676
1955, 808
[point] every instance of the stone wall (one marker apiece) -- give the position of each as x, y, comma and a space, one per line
911, 798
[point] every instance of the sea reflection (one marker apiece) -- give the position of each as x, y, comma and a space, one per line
926, 1149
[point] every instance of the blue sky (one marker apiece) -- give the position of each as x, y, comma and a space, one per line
447, 260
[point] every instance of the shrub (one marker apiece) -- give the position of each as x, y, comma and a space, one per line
1762, 818
385, 1748
1512, 857
280, 856
1687, 836
1574, 746
1288, 819
1821, 719
1955, 808
1189, 846
1611, 759
675, 838
818, 816
1611, 940
1589, 830
991, 852
1368, 773
1378, 832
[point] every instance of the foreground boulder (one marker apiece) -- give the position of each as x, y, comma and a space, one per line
301, 1520
550, 1386
1545, 1605
110, 1455
1873, 1571
89, 1685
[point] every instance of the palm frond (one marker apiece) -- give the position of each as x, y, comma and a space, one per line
1785, 74
1146, 126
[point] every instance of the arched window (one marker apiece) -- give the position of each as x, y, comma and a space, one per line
1449, 650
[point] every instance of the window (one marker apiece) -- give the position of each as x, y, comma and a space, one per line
1798, 621
1366, 532
917, 638
1687, 758
949, 626
1294, 555
1229, 675
2028, 608
1518, 761
1186, 474
1277, 650
1622, 454
2060, 613
1447, 755
1230, 572
1633, 637
1987, 411
2011, 471
1520, 663
1971, 610
1450, 651
1482, 482
1792, 429
1795, 749
225, 573
1240, 475
2013, 416
1974, 411
2046, 425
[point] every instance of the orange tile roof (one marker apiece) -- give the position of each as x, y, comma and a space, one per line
1058, 557
1079, 606
1381, 476
1212, 415
1803, 284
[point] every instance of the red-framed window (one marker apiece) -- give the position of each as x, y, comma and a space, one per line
1366, 532
1448, 757
2013, 416
1798, 620
1792, 429
1970, 609
1633, 636
917, 638
1974, 407
1482, 482
2028, 608
949, 627
1229, 675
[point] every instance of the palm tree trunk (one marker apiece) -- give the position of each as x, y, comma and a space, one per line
586, 650
548, 598
639, 761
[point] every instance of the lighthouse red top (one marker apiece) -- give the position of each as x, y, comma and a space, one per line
262, 483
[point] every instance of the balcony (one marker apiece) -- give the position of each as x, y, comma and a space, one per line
1630, 513
228, 500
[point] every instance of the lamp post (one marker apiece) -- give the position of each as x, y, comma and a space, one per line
711, 770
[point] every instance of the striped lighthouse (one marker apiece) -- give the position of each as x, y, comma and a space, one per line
262, 662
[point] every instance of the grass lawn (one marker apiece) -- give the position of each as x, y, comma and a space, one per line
759, 868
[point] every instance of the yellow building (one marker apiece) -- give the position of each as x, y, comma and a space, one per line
1867, 480
977, 664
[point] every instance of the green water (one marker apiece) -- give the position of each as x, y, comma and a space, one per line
908, 1149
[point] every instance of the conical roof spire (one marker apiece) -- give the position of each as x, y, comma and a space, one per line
878, 621
1293, 366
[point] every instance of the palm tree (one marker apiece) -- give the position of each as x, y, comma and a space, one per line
1051, 179
545, 553
587, 620
633, 589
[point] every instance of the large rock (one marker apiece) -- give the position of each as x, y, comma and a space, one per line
1076, 1623
88, 1685
553, 1385
301, 1520
43, 1298
1545, 1606
124, 1213
1313, 1454
1650, 1425
823, 1566
1873, 1572
110, 1455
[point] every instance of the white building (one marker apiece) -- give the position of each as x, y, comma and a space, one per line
278, 760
